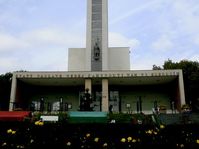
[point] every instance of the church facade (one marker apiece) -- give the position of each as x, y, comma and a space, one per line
104, 71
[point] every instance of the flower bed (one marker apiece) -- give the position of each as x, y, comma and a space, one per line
32, 135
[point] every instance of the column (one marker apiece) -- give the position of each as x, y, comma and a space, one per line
105, 35
88, 85
105, 96
181, 88
88, 35
13, 92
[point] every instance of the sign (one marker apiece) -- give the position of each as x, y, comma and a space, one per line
49, 118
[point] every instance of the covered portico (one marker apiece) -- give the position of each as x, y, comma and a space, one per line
122, 89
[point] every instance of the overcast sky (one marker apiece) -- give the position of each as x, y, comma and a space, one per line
35, 34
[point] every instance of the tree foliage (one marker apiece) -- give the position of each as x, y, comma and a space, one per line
155, 67
191, 78
5, 88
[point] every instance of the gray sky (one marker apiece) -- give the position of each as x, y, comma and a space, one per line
35, 34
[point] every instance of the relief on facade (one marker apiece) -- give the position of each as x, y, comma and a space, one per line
96, 51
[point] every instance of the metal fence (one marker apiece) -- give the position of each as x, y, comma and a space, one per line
41, 106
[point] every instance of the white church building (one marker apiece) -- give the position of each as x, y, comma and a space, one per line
105, 71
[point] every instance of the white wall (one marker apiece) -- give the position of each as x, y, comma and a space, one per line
105, 35
119, 58
76, 59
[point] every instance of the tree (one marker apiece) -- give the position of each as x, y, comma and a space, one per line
191, 78
155, 67
5, 88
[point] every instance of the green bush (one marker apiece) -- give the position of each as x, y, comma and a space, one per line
120, 117
140, 117
130, 118
63, 117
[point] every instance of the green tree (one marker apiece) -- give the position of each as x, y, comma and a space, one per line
191, 79
155, 67
5, 88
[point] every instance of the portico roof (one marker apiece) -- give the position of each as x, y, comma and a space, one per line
149, 77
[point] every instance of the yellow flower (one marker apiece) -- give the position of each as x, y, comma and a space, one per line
31, 141
105, 145
13, 132
177, 144
129, 139
41, 123
134, 140
37, 122
182, 145
88, 135
123, 140
68, 143
20, 146
96, 139
162, 126
149, 132
155, 133
197, 141
9, 131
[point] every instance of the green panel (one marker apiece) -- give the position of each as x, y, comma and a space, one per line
148, 95
87, 120
87, 117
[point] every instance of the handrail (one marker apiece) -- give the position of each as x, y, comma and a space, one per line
40, 106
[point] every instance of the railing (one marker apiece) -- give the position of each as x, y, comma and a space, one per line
40, 106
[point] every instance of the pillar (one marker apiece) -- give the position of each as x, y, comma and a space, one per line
13, 92
105, 96
105, 35
88, 85
181, 89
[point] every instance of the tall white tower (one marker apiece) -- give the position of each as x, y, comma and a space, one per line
97, 35
97, 56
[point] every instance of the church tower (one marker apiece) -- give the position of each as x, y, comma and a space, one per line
97, 35
97, 56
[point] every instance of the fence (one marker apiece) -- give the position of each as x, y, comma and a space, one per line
41, 106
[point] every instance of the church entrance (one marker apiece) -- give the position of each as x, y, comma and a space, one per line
114, 101
95, 100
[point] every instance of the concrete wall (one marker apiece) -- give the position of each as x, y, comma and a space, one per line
119, 58
69, 98
148, 99
105, 35
69, 95
148, 94
76, 59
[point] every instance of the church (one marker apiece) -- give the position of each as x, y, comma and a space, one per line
101, 70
